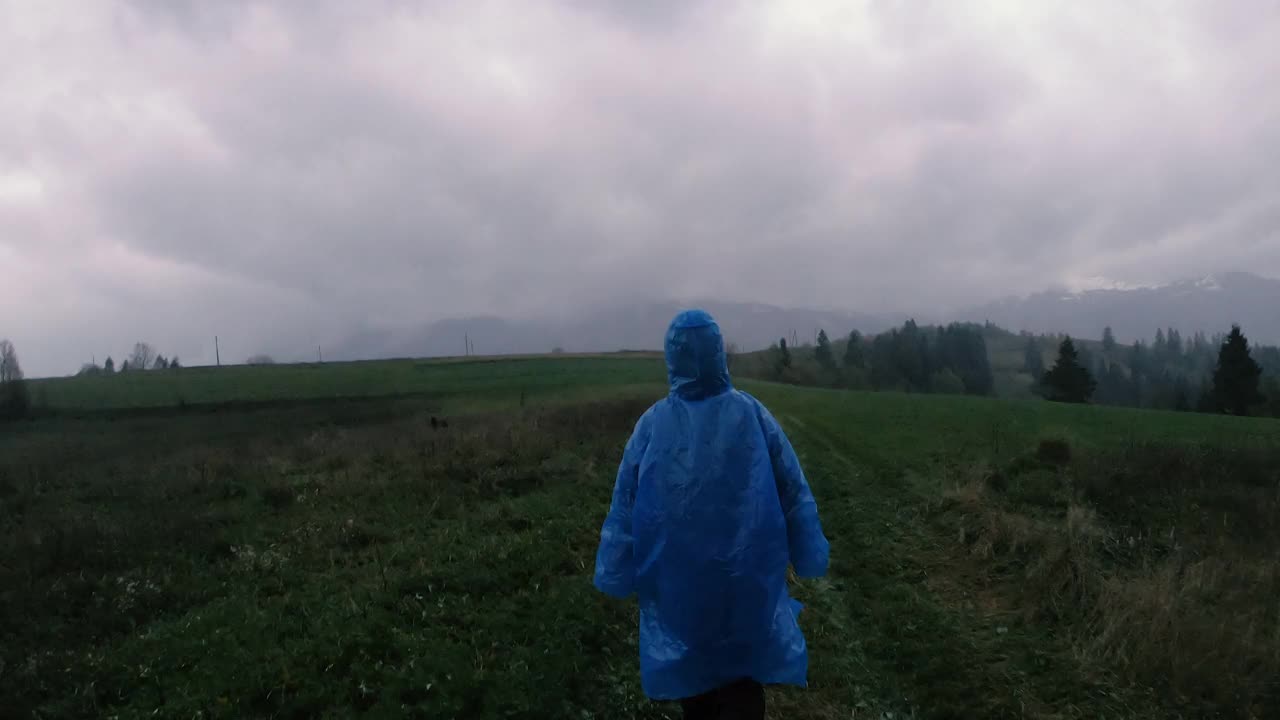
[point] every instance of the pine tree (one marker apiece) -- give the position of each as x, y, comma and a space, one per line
1235, 380
784, 356
977, 375
826, 359
1199, 343
1108, 339
1181, 395
1205, 402
854, 355
109, 367
884, 371
912, 357
1138, 361
962, 349
1033, 360
1069, 381
1114, 387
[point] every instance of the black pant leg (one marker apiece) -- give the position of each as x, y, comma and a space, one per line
702, 707
743, 700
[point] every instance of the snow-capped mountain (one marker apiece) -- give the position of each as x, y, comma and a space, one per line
1211, 304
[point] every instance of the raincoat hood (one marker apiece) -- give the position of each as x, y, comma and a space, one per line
696, 363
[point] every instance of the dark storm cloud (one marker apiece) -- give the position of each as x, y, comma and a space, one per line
282, 173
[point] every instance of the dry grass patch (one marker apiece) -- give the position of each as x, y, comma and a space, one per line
1160, 564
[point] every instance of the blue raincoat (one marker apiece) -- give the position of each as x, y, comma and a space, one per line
709, 508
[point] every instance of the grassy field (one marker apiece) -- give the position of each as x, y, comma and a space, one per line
330, 557
462, 383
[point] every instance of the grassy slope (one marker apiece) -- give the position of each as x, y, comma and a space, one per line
897, 627
340, 557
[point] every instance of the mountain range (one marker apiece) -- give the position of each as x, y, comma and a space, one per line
1211, 304
748, 326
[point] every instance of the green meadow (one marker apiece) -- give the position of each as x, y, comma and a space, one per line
417, 538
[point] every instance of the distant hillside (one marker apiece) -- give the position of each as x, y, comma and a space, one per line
1210, 304
639, 327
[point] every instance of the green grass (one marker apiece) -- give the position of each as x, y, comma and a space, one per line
930, 633
335, 557
470, 381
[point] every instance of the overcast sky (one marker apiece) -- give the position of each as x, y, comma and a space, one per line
282, 173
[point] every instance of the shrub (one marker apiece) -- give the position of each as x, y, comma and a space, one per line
1054, 451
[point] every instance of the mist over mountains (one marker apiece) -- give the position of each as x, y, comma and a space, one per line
1211, 303
637, 327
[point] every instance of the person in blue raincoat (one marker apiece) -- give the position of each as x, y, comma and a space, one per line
709, 509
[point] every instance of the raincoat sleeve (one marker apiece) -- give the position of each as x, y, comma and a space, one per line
615, 560
807, 545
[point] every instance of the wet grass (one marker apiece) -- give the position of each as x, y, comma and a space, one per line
467, 382
928, 614
1157, 561
311, 569
351, 556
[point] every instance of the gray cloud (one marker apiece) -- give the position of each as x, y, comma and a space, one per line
283, 173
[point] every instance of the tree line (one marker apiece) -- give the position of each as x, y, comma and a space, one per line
143, 357
15, 398
1222, 374
1218, 376
951, 359
1211, 374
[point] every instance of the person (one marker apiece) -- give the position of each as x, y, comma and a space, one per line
709, 509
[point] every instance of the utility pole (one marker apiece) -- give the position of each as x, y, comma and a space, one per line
466, 342
217, 353
319, 355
